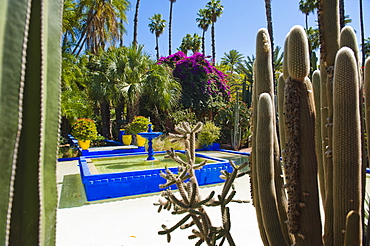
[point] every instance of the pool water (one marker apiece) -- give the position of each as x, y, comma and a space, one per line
137, 163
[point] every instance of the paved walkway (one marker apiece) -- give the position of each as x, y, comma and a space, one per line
134, 221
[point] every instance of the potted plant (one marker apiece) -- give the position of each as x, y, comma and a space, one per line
209, 134
139, 124
84, 130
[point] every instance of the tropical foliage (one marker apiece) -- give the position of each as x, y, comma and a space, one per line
204, 88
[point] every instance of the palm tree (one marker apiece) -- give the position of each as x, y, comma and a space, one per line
307, 7
186, 44
232, 59
157, 26
170, 28
136, 20
197, 41
190, 43
213, 11
161, 92
101, 23
203, 23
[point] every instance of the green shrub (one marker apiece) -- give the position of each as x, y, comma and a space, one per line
84, 129
139, 124
209, 134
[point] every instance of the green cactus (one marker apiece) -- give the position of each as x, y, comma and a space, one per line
353, 229
280, 100
265, 170
190, 201
367, 96
348, 39
347, 182
316, 91
29, 93
301, 164
264, 83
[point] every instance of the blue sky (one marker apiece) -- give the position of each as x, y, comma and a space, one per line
235, 29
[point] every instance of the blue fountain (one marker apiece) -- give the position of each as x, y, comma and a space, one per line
150, 135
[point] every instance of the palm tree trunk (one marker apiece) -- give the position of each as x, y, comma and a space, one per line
341, 13
213, 43
134, 42
105, 116
362, 34
203, 42
270, 30
307, 22
170, 30
157, 46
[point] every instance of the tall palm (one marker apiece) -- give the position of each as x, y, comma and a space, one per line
170, 28
232, 59
102, 23
214, 10
203, 23
136, 20
157, 26
307, 7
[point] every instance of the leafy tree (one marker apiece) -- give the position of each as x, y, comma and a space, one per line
214, 10
203, 23
170, 27
157, 26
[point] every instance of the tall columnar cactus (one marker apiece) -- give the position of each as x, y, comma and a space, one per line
265, 171
317, 94
280, 106
329, 28
264, 83
30, 33
301, 164
367, 97
347, 191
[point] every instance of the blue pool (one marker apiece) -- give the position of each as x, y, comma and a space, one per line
100, 186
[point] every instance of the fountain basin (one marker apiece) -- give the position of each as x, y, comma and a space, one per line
111, 185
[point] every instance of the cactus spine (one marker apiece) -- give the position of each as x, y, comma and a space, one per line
301, 164
347, 192
29, 96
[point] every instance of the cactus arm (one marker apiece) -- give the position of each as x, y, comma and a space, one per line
347, 192
353, 229
316, 91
